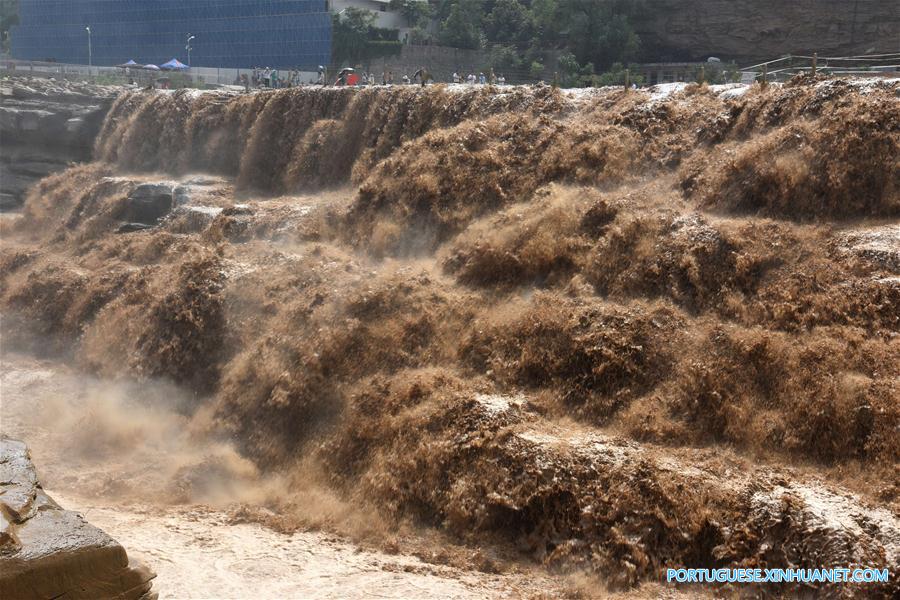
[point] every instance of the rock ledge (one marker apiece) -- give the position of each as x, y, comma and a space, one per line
49, 552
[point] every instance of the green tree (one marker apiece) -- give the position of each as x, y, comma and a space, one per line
546, 17
601, 32
572, 73
616, 76
350, 34
509, 21
355, 40
505, 58
596, 33
420, 35
415, 12
462, 27
441, 8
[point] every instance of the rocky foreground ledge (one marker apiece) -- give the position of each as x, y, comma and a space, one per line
49, 552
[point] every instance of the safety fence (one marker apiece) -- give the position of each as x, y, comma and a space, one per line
780, 69
193, 77
378, 70
786, 67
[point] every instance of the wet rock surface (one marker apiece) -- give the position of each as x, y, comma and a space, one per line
45, 124
49, 552
149, 202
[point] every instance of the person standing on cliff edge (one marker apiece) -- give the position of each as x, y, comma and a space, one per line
423, 76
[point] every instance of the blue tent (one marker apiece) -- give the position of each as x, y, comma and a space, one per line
130, 63
174, 65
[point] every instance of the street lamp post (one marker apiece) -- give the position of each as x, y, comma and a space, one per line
90, 54
187, 47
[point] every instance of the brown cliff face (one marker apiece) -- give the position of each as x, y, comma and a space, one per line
751, 30
49, 552
44, 125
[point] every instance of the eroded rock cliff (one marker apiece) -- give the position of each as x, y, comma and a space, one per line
44, 125
48, 552
749, 30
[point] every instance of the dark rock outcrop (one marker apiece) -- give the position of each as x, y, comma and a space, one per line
757, 30
48, 552
44, 125
149, 202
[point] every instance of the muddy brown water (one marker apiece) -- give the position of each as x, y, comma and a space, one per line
596, 331
201, 546
197, 549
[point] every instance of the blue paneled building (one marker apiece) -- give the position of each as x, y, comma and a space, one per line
227, 33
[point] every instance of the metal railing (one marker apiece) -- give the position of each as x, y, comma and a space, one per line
212, 76
195, 76
786, 67
779, 69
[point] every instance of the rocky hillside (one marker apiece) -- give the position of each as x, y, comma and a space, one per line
750, 30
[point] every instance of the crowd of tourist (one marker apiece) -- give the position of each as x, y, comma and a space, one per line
268, 78
271, 78
480, 79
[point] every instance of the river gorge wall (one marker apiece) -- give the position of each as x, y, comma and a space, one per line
45, 125
750, 31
